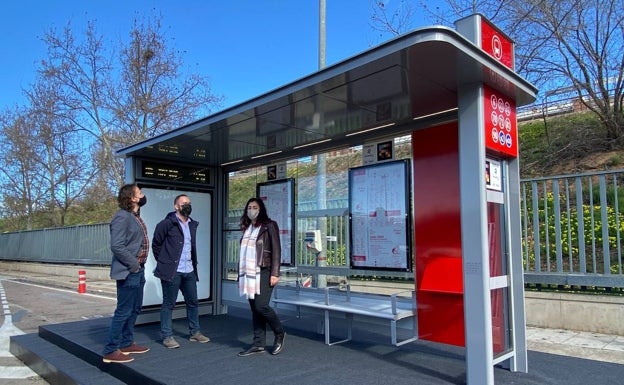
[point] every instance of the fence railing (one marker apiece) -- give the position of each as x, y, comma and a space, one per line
85, 244
573, 229
572, 234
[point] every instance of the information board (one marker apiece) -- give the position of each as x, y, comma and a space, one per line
159, 204
500, 123
278, 197
378, 206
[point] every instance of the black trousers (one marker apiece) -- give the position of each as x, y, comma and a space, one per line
261, 313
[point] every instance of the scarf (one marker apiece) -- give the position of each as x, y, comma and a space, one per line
248, 270
144, 250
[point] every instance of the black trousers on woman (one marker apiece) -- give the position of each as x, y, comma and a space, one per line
263, 314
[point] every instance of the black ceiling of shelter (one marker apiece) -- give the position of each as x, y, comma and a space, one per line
406, 83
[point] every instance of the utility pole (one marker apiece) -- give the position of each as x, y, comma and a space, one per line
321, 167
322, 34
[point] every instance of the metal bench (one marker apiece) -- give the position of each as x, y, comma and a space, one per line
392, 307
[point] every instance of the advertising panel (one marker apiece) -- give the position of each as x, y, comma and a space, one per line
278, 197
378, 205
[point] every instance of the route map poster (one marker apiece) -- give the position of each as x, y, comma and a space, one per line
378, 206
278, 197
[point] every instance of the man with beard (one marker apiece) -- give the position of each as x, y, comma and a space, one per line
130, 246
174, 248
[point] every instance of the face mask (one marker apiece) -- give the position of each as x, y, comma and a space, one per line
185, 210
252, 214
142, 201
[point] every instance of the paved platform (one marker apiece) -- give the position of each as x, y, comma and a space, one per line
306, 360
592, 346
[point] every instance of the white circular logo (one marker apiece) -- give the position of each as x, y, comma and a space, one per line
497, 47
493, 102
494, 118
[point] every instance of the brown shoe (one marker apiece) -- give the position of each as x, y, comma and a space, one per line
171, 343
116, 357
134, 349
198, 337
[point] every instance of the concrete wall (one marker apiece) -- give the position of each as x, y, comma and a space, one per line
581, 312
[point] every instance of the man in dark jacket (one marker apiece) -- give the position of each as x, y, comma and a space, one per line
174, 248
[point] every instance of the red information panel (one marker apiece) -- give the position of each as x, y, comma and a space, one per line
496, 44
501, 128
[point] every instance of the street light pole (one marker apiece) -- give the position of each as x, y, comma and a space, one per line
322, 35
321, 168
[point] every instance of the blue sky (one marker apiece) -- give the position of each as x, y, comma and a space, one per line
245, 47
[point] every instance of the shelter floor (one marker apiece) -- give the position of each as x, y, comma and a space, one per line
70, 353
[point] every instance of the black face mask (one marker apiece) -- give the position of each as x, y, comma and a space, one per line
142, 201
185, 210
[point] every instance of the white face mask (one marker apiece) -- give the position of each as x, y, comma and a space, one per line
253, 214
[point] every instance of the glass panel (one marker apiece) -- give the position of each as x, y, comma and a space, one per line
501, 330
322, 201
496, 242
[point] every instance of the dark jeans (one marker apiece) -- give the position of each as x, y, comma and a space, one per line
129, 303
187, 283
261, 313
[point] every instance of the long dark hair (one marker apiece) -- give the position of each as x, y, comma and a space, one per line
263, 217
124, 198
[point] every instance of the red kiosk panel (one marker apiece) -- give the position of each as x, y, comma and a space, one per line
438, 256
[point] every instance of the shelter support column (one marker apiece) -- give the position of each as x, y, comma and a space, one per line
519, 361
474, 230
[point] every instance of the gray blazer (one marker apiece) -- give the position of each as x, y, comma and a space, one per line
126, 238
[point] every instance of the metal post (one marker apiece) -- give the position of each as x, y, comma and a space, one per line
321, 169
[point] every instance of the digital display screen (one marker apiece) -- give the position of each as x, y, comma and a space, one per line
174, 172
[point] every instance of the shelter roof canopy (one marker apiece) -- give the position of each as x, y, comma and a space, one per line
415, 76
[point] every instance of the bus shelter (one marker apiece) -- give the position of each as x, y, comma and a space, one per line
454, 92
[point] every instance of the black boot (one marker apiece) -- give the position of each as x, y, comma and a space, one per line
278, 344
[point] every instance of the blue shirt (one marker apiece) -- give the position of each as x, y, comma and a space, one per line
185, 265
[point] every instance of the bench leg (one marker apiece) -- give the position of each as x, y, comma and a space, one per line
393, 333
327, 329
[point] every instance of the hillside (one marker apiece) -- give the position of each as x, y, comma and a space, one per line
567, 144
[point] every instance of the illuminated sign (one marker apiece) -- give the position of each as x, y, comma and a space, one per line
497, 44
501, 128
176, 173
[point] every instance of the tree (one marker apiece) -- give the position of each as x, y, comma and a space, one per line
22, 186
120, 101
154, 95
82, 75
388, 18
575, 45
63, 160
91, 98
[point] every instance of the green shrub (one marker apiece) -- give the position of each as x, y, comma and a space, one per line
593, 237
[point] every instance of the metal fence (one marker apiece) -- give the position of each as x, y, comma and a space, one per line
573, 229
86, 244
572, 234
